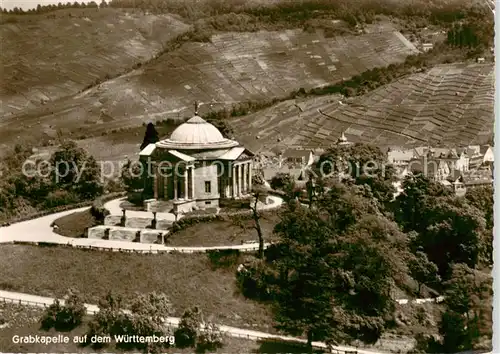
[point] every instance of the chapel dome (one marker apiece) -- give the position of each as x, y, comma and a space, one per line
196, 134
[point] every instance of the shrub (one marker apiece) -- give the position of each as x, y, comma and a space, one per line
253, 281
223, 258
210, 338
64, 317
59, 198
98, 211
188, 331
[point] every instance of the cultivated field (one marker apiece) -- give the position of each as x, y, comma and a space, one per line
232, 67
449, 104
46, 57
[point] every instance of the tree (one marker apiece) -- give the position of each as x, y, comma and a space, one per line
132, 176
482, 198
454, 233
467, 322
418, 193
281, 180
146, 318
150, 136
328, 262
257, 193
64, 317
210, 339
423, 270
362, 163
103, 4
187, 333
75, 170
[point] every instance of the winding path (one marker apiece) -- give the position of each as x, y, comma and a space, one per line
42, 301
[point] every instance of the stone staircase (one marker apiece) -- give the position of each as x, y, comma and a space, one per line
138, 222
119, 233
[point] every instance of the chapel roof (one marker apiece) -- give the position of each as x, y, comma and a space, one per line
196, 134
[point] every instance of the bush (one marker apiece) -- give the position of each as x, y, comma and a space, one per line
64, 317
98, 211
59, 198
210, 338
253, 280
188, 331
223, 258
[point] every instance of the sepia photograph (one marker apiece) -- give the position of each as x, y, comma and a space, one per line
247, 176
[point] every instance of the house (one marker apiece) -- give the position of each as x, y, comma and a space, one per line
434, 169
427, 46
400, 159
298, 158
481, 157
454, 158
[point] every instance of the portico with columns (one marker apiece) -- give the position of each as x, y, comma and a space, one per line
196, 167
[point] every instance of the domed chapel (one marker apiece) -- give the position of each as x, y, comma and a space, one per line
196, 166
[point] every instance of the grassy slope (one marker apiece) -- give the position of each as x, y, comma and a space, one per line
187, 279
423, 105
49, 56
233, 67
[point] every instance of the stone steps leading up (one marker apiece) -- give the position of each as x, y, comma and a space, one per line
137, 222
118, 233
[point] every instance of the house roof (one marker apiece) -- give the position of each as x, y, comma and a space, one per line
400, 155
297, 153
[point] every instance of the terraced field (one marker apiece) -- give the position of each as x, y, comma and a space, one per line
233, 67
449, 104
46, 57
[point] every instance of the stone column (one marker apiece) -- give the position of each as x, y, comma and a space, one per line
244, 177
165, 185
192, 182
175, 184
186, 186
250, 175
240, 180
233, 177
155, 184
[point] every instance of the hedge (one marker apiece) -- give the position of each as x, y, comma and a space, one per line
100, 200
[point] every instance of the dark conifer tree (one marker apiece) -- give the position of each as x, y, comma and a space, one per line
150, 137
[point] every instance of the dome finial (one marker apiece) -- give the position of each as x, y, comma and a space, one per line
195, 108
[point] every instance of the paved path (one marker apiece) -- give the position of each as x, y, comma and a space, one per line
42, 301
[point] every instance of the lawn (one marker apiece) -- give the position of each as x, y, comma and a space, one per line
23, 321
219, 233
188, 280
75, 224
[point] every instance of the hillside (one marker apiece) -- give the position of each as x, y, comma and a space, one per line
49, 56
232, 67
449, 104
